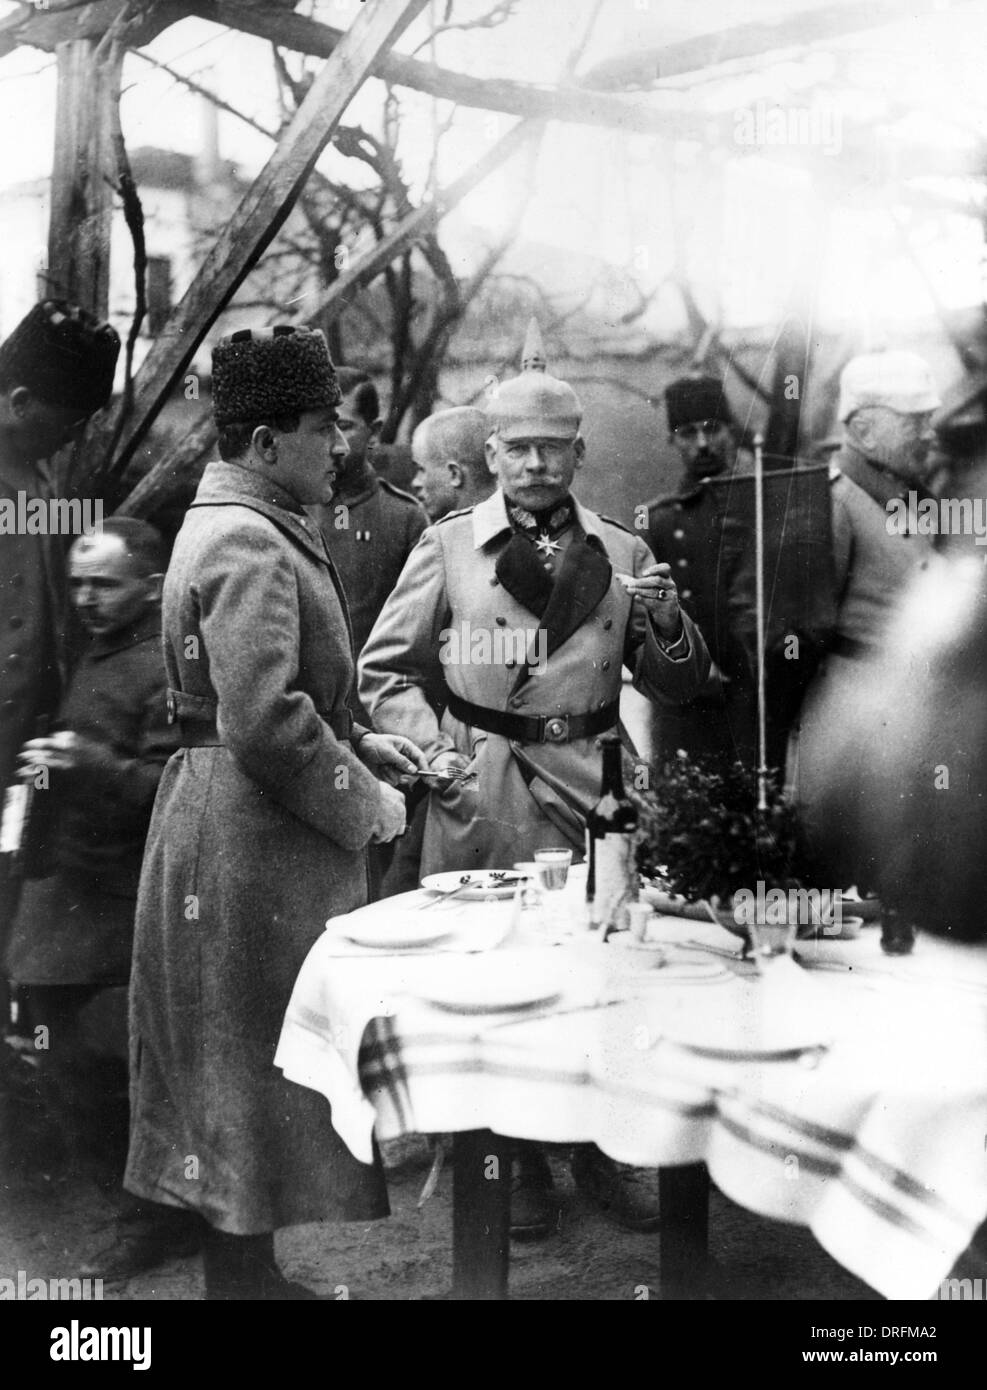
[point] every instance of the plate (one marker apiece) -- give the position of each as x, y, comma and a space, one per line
396, 935
482, 884
491, 987
753, 1044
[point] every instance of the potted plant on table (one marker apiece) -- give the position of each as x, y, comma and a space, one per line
702, 838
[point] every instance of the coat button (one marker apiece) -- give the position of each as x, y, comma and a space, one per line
682, 563
679, 534
607, 624
516, 700
501, 622
687, 593
10, 704
494, 581
16, 622
606, 665
17, 581
14, 659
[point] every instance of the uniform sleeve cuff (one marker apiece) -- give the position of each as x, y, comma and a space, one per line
675, 648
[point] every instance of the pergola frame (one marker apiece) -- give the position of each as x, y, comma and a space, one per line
90, 40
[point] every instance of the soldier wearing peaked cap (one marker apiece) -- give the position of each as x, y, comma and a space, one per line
715, 577
260, 827
582, 597
886, 406
56, 369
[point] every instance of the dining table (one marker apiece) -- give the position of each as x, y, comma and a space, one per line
840, 1089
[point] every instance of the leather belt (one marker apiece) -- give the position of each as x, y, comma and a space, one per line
195, 716
534, 728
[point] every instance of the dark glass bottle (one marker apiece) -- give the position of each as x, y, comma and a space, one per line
611, 826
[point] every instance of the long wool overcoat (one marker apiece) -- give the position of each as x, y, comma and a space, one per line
466, 592
253, 845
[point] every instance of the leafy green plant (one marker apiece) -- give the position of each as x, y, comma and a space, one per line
702, 836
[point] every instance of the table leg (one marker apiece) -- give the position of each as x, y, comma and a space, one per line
481, 1215
683, 1241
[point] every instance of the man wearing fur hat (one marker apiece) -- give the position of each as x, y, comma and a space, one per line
56, 369
259, 831
525, 608
719, 725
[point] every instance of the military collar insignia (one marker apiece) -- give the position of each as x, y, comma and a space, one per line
550, 521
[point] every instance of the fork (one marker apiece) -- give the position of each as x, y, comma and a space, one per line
464, 882
452, 774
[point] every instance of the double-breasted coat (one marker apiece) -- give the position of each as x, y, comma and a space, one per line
254, 842
715, 582
461, 598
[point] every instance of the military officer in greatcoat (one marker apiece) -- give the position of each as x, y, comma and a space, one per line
526, 607
259, 830
715, 579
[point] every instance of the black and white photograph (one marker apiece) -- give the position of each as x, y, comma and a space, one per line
493, 646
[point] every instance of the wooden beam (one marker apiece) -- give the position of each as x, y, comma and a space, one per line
794, 29
305, 35
83, 176
47, 26
169, 469
254, 224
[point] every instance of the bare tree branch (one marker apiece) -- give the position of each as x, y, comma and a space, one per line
499, 15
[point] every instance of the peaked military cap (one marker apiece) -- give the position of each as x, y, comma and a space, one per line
63, 355
535, 404
282, 370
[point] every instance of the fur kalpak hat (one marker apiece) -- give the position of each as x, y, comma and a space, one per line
257, 373
691, 399
63, 355
534, 405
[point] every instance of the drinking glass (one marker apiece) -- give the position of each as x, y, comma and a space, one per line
552, 867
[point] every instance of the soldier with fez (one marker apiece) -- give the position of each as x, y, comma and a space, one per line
259, 831
530, 557
716, 581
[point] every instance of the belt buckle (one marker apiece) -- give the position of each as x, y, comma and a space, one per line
557, 729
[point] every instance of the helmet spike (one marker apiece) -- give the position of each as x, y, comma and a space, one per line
533, 353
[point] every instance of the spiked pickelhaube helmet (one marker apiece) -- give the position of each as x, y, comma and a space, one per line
534, 404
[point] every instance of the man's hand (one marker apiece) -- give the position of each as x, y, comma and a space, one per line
441, 763
655, 588
394, 758
61, 752
391, 820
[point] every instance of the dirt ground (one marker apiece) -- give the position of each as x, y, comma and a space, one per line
53, 1215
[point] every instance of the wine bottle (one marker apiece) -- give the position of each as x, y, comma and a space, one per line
611, 879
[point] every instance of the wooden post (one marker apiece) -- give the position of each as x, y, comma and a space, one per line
83, 176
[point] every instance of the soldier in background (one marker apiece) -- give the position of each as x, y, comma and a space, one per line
451, 476
715, 581
451, 472
56, 369
371, 526
887, 400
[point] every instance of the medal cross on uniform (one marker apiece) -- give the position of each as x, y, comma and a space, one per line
546, 546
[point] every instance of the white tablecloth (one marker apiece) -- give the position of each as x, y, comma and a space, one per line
877, 1145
